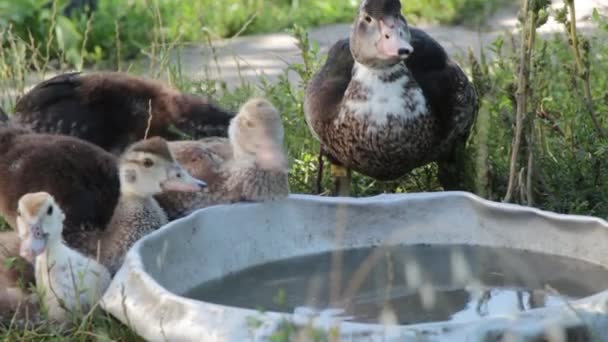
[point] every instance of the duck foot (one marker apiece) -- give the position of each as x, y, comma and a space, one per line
342, 180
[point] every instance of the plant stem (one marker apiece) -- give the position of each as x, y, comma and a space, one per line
583, 71
527, 45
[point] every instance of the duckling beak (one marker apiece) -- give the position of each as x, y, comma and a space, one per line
393, 41
183, 183
34, 244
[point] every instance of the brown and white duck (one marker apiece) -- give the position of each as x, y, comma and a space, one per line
113, 110
69, 282
251, 165
389, 99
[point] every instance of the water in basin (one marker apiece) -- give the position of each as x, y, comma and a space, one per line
410, 284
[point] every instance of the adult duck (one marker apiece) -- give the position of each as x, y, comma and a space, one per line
251, 165
389, 99
114, 110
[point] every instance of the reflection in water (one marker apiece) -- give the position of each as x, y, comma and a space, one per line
411, 284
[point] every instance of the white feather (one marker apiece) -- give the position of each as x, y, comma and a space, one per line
384, 98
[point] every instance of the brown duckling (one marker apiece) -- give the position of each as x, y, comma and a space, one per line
250, 165
389, 99
68, 281
82, 177
112, 110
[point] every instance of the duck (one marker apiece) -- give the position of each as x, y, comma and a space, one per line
114, 110
67, 281
389, 99
82, 177
249, 166
146, 169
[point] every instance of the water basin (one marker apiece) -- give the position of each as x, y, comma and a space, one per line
445, 266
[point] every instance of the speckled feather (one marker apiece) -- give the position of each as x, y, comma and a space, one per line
112, 110
133, 219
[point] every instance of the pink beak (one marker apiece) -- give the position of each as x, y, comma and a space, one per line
33, 245
393, 43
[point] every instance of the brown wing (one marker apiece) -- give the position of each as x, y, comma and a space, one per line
326, 89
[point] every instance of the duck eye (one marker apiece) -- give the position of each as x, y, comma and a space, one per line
148, 162
50, 211
368, 18
249, 123
179, 175
18, 213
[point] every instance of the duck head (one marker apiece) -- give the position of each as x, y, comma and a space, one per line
256, 132
380, 35
39, 224
148, 168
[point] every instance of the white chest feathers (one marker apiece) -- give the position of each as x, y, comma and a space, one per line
376, 94
69, 280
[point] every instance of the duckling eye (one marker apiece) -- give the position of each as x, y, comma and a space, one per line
249, 123
368, 18
50, 211
18, 213
148, 162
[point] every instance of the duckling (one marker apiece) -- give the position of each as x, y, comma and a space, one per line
250, 165
82, 177
113, 110
68, 279
389, 99
147, 168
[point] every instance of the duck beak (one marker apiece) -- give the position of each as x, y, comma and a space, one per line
271, 156
184, 183
393, 42
34, 244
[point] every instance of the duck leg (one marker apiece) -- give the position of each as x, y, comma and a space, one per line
452, 169
320, 171
342, 179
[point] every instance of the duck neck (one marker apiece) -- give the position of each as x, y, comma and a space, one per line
130, 192
53, 251
241, 156
390, 74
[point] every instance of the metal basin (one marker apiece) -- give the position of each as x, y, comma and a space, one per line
148, 292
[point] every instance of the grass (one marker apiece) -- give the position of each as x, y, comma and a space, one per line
570, 164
